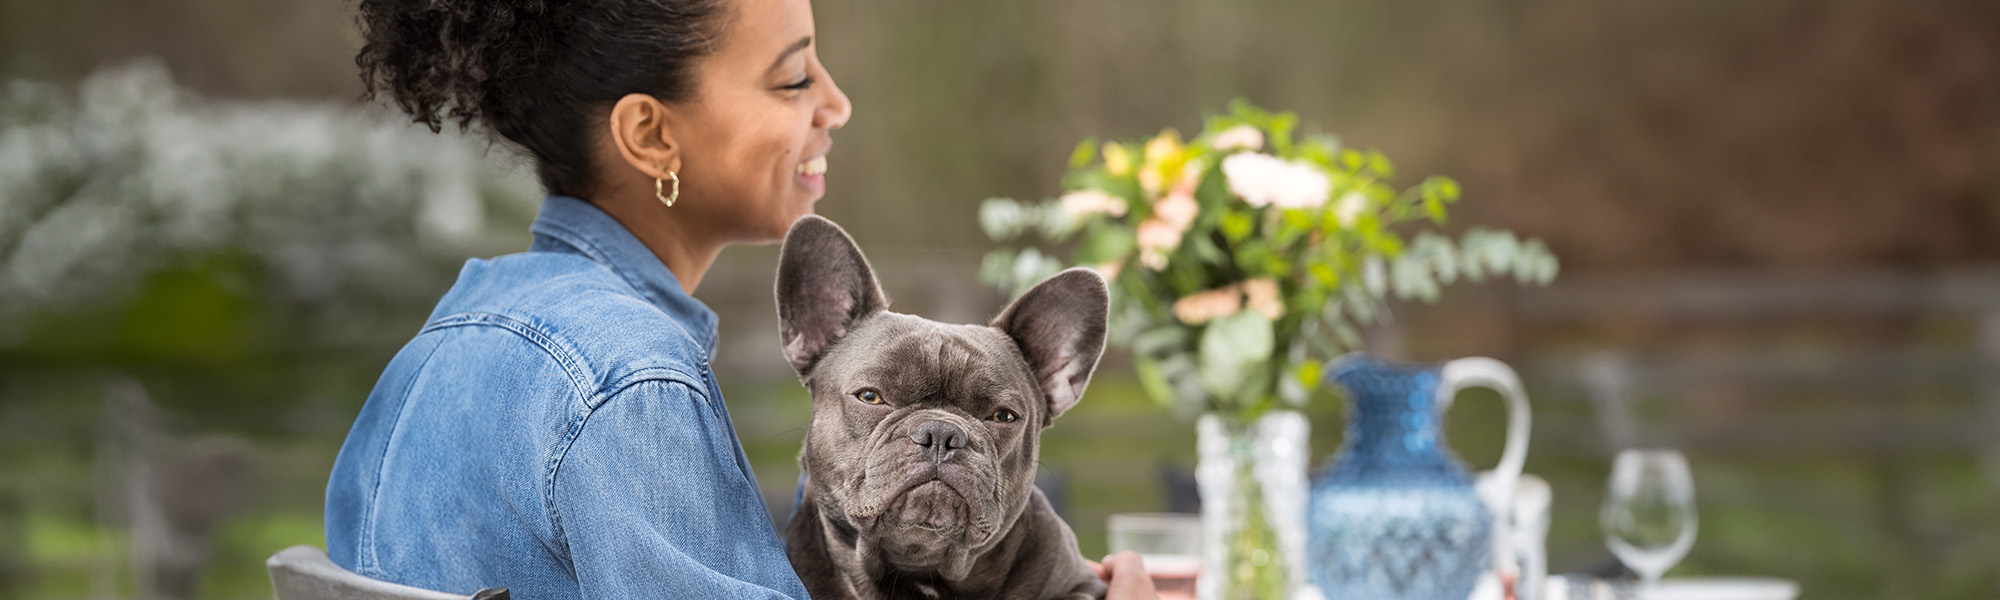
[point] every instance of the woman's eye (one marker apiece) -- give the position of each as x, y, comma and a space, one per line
802, 83
1004, 416
868, 397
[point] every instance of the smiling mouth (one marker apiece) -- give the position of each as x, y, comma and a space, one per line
816, 166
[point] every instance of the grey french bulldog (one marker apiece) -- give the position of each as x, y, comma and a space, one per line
921, 453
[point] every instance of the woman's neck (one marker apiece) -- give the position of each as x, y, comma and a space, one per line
685, 249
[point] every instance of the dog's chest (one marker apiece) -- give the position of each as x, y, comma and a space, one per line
898, 586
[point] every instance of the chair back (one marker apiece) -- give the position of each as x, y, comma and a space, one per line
305, 573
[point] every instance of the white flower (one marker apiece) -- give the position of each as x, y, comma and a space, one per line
1349, 208
1243, 137
1302, 186
1090, 202
1265, 180
1251, 176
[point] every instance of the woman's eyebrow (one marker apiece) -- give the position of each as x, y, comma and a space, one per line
802, 44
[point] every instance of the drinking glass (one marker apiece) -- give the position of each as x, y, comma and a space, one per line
1169, 543
1648, 517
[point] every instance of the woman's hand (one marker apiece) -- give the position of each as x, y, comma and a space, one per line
1127, 577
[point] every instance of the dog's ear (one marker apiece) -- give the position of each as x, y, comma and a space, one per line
824, 286
1060, 326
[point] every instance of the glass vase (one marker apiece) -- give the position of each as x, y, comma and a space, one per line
1252, 476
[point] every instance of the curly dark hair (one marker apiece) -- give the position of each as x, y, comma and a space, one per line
536, 72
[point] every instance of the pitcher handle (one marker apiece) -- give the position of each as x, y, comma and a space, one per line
1486, 372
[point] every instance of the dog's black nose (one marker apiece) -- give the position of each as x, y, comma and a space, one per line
940, 440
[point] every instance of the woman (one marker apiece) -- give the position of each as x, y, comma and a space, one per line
555, 427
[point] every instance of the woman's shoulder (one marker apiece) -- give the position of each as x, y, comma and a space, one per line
580, 312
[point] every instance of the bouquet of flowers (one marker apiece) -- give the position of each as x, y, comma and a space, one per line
1243, 258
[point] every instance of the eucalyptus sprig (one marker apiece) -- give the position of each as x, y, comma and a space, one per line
1243, 258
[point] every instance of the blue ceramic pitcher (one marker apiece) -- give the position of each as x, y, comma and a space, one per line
1395, 516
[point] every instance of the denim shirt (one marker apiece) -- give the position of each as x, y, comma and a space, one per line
555, 429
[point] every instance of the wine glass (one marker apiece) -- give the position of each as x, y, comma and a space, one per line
1648, 517
1170, 545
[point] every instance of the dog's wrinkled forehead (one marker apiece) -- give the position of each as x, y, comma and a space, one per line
918, 360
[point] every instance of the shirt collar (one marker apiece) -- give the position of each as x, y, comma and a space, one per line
571, 225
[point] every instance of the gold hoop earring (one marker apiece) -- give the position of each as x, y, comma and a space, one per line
659, 190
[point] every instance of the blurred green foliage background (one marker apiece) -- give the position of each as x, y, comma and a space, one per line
1779, 224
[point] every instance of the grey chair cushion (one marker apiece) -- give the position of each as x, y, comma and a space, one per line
305, 573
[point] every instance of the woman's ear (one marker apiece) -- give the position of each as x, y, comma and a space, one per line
639, 130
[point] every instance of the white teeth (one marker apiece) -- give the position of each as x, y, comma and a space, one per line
815, 166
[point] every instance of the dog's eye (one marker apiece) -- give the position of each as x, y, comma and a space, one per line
1004, 416
868, 397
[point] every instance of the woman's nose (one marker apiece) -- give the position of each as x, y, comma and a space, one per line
835, 111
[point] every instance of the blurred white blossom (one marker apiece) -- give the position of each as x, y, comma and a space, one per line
1349, 207
1240, 137
1265, 180
132, 173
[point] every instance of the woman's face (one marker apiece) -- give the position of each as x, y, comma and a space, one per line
753, 143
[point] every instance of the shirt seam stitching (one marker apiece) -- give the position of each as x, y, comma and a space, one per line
562, 354
374, 561
576, 432
567, 360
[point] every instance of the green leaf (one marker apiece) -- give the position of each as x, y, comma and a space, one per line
1106, 244
1153, 379
1206, 250
1277, 266
1252, 257
1212, 192
1325, 274
1442, 189
1055, 223
1347, 334
1160, 340
1435, 209
1352, 161
1444, 258
1100, 179
1281, 133
997, 267
1084, 152
1414, 279
1031, 267
1235, 226
1002, 218
1379, 163
1308, 372
1320, 148
1233, 350
1297, 220
1301, 381
1532, 261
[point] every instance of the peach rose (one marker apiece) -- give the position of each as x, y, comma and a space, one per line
1206, 306
1263, 297
1156, 239
1090, 202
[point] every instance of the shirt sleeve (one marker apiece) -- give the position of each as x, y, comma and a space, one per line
652, 504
